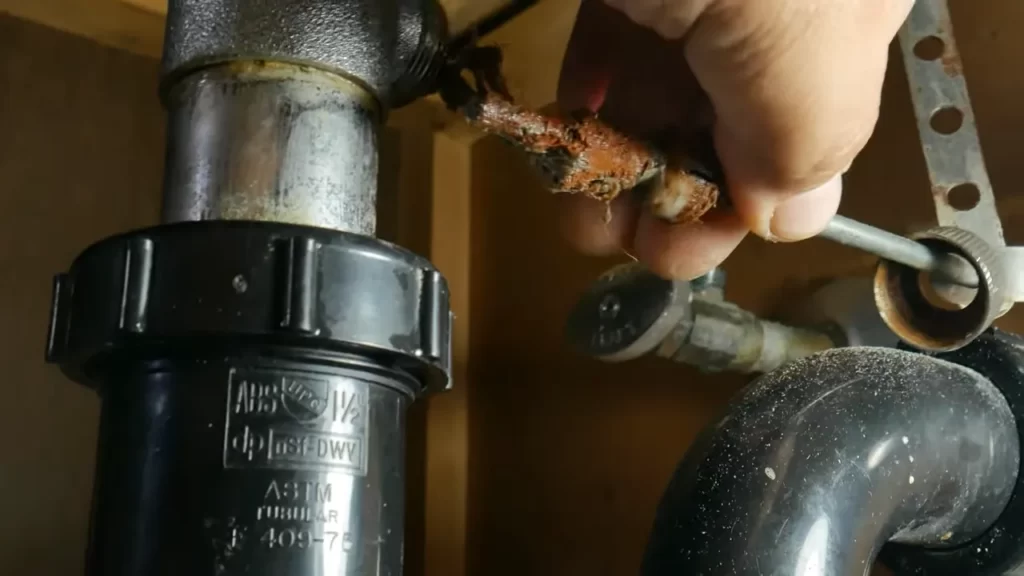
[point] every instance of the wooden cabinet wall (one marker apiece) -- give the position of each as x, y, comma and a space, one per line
81, 154
539, 462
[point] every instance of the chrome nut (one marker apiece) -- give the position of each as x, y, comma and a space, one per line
907, 305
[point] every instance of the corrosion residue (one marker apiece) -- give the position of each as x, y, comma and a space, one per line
952, 63
580, 156
681, 195
577, 154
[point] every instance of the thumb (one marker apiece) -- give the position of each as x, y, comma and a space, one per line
802, 215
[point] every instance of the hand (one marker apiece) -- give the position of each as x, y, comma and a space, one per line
789, 89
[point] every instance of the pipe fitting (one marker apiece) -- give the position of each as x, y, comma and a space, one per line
390, 47
272, 142
273, 109
721, 336
256, 367
627, 313
819, 464
999, 357
630, 312
927, 321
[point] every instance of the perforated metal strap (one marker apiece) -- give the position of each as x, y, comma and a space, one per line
960, 185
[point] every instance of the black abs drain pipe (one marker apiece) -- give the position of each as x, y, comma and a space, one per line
855, 455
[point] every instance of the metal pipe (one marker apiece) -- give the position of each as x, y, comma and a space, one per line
717, 335
630, 312
819, 464
271, 142
900, 249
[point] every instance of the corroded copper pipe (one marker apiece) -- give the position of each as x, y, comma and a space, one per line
580, 154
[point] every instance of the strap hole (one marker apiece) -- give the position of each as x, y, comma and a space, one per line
930, 48
947, 120
963, 197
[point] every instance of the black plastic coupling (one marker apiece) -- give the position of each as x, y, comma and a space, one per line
292, 286
255, 379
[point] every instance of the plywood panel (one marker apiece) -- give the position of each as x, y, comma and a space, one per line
113, 23
447, 431
533, 44
568, 456
153, 6
432, 174
81, 148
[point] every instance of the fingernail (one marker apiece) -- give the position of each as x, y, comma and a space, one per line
807, 214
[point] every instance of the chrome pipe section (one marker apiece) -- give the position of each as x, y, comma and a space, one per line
821, 463
274, 107
272, 142
630, 312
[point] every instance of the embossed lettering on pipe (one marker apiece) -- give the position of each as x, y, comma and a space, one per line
295, 421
